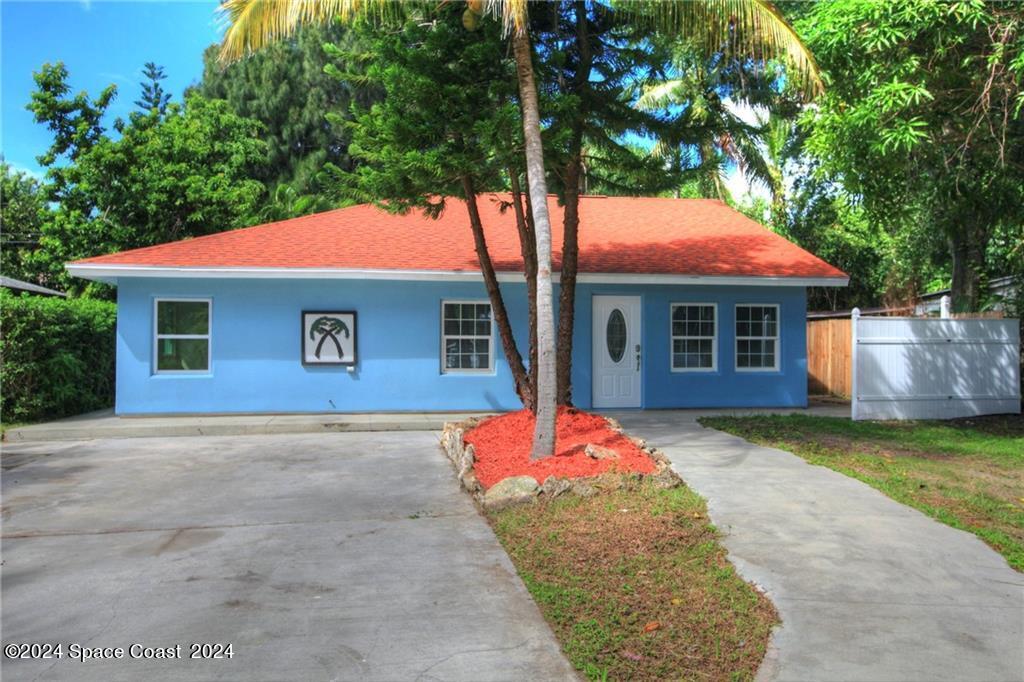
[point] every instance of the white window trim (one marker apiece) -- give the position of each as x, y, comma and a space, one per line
672, 337
777, 338
208, 335
444, 337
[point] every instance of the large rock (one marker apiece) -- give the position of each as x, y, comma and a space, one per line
510, 491
600, 452
553, 487
467, 460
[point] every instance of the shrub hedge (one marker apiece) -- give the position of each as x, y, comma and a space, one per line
57, 356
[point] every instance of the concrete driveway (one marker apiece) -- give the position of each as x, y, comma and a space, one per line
349, 556
868, 589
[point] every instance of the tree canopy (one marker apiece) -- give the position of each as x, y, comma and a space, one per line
287, 89
156, 178
921, 122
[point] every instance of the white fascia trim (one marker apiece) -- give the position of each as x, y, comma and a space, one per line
110, 273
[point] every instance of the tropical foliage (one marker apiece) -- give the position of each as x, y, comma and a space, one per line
921, 124
23, 211
57, 356
155, 178
288, 88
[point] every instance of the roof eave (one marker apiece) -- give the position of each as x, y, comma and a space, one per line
110, 273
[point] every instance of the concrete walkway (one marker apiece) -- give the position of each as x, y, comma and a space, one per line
868, 589
105, 424
338, 556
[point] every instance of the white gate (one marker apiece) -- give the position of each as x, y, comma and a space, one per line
934, 368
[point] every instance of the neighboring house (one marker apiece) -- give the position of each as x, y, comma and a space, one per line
679, 303
19, 286
999, 289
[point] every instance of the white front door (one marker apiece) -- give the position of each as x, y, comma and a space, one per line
616, 351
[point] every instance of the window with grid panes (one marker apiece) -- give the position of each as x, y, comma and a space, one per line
757, 337
694, 337
466, 337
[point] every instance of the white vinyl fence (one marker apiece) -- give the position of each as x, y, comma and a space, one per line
934, 368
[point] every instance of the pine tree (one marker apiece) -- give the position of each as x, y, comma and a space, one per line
284, 87
154, 98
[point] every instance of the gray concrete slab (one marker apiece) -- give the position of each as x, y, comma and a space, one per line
868, 589
105, 424
339, 556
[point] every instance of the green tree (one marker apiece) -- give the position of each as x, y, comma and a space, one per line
590, 56
285, 87
823, 219
23, 211
730, 113
154, 98
76, 122
922, 119
446, 126
186, 174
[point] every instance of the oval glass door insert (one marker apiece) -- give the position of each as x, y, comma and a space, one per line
615, 335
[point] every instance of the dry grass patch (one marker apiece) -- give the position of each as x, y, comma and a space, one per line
635, 585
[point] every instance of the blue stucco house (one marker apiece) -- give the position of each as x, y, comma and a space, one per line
680, 303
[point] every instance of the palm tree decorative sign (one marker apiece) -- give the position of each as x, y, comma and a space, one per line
328, 338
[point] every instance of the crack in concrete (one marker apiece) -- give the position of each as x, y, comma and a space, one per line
30, 534
485, 650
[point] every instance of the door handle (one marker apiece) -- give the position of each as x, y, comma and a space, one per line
638, 357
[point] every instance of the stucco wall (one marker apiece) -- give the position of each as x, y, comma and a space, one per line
255, 349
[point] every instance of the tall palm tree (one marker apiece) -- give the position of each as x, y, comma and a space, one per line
729, 113
751, 27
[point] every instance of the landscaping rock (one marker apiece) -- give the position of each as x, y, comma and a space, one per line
583, 489
614, 425
553, 486
510, 491
659, 457
666, 477
599, 452
469, 482
465, 463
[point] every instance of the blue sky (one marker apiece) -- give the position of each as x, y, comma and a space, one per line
101, 42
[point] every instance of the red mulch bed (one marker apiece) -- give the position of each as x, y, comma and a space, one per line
502, 446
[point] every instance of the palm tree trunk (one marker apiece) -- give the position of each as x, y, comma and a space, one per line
547, 411
528, 247
508, 341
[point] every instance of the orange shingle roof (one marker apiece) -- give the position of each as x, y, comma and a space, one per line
625, 235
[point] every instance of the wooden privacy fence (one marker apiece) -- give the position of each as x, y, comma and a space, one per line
828, 357
934, 368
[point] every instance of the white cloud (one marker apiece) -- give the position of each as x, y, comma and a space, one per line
19, 168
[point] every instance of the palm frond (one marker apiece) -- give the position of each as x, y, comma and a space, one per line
659, 95
751, 28
511, 13
254, 24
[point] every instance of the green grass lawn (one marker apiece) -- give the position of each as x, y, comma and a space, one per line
636, 586
967, 473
